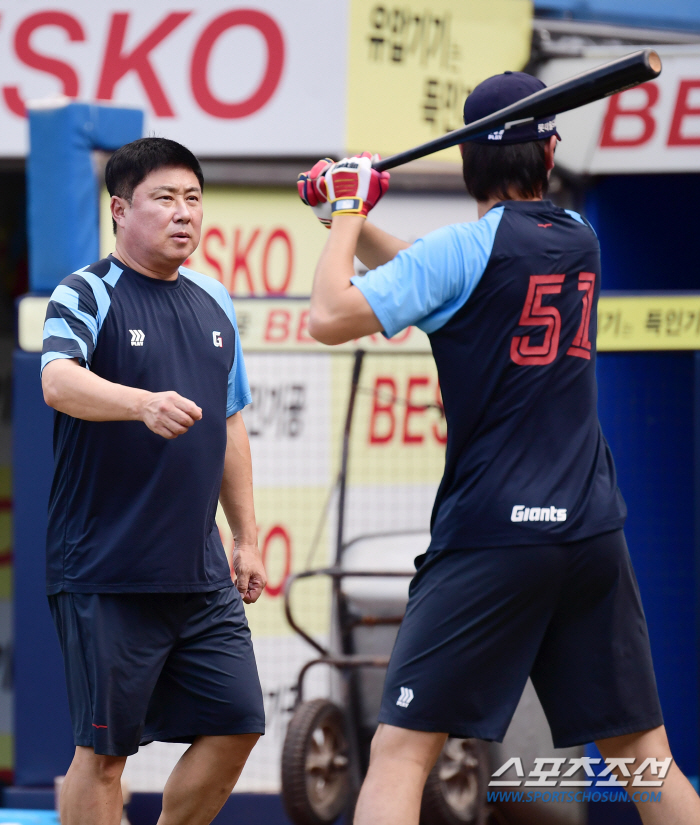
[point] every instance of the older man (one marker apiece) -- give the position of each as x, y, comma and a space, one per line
143, 363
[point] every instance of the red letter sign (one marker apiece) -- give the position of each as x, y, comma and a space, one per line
277, 235
240, 259
278, 532
202, 52
213, 232
117, 64
383, 406
412, 409
615, 110
65, 73
681, 111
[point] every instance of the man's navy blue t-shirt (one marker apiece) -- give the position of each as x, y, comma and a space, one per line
510, 306
131, 511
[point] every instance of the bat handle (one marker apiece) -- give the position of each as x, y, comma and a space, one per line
383, 164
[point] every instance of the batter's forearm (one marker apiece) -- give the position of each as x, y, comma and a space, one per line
339, 311
74, 390
236, 495
376, 247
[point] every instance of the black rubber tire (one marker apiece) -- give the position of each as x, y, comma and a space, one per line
315, 775
455, 791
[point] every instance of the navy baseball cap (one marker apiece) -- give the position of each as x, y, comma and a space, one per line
500, 91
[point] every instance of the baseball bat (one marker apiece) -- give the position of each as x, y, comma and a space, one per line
609, 79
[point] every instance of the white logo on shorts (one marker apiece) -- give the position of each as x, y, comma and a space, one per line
406, 697
137, 337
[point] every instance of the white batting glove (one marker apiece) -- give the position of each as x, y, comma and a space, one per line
354, 187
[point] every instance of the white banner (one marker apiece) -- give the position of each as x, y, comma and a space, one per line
653, 128
224, 78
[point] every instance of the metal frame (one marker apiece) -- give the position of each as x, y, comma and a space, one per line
341, 661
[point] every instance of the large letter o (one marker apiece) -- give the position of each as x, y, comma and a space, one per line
278, 235
273, 71
278, 532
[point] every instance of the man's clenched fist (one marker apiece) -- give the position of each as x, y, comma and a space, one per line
168, 413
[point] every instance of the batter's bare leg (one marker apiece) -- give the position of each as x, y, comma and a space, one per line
400, 762
204, 777
679, 803
92, 793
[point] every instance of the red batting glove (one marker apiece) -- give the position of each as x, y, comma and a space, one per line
312, 190
354, 187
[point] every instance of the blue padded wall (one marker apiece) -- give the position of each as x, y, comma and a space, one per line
43, 737
62, 190
647, 410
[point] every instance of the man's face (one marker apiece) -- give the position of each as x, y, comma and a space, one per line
161, 226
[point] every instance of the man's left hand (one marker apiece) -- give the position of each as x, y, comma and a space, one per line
249, 570
312, 190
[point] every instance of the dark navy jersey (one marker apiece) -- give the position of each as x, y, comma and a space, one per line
131, 511
509, 303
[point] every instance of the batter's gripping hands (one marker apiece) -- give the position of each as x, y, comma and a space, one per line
354, 187
312, 190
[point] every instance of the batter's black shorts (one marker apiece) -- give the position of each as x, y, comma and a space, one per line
479, 622
157, 666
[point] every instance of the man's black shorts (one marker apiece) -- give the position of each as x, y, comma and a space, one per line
157, 666
479, 622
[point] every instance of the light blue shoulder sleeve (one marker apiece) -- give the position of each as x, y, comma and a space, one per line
426, 284
74, 317
238, 393
577, 217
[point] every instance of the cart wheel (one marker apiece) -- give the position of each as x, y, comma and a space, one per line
455, 791
315, 776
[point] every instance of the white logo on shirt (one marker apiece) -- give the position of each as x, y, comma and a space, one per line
137, 337
217, 339
405, 698
522, 513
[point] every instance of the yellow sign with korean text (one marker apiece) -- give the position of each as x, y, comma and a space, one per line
648, 322
412, 64
626, 323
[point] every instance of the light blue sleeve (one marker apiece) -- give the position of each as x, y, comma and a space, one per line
577, 217
238, 393
426, 284
77, 309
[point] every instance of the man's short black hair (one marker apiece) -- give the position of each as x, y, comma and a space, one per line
134, 162
504, 171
